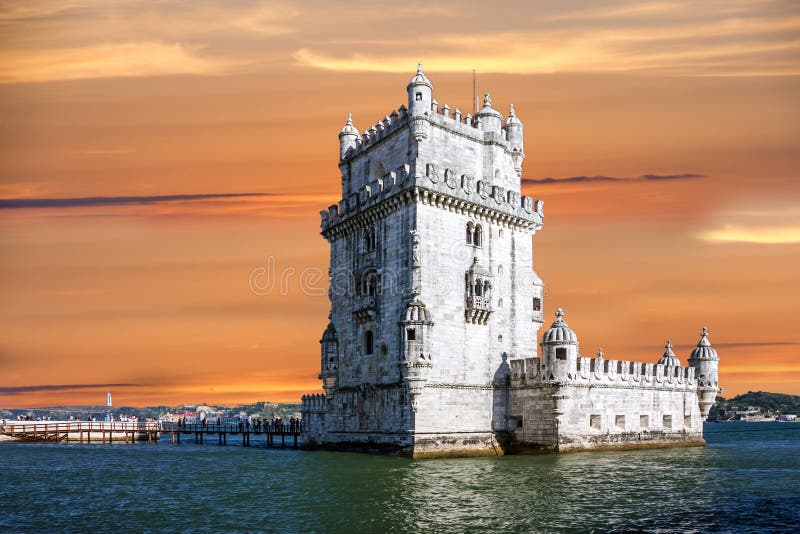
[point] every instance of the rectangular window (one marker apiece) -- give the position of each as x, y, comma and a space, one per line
411, 334
667, 421
537, 304
594, 421
561, 354
644, 421
619, 421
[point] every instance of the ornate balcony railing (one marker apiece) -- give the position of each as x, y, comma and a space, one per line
478, 309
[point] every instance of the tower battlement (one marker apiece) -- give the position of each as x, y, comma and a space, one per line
472, 164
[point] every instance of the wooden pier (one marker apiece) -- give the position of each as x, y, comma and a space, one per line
81, 431
151, 432
274, 435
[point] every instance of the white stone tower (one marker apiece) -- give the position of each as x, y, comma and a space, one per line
431, 282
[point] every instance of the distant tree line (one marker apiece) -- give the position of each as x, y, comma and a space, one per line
769, 404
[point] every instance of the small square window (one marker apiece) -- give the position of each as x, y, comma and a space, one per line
418, 97
594, 421
667, 421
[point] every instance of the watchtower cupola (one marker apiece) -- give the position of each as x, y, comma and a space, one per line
490, 119
669, 359
560, 346
348, 137
420, 93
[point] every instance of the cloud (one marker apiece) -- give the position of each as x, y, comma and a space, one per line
83, 202
766, 221
748, 344
754, 235
132, 59
710, 42
642, 178
19, 390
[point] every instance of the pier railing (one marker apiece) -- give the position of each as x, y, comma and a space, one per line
81, 430
275, 434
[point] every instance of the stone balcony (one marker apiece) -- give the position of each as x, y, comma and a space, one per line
366, 308
478, 309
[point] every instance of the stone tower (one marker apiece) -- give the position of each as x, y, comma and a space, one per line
431, 282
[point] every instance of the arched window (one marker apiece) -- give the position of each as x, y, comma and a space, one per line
369, 342
477, 238
469, 233
486, 288
369, 284
478, 288
369, 239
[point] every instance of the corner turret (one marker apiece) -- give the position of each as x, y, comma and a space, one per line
420, 93
515, 139
489, 118
560, 347
348, 137
669, 359
706, 363
330, 359
416, 361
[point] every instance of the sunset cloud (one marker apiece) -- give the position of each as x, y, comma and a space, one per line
726, 44
762, 236
107, 61
642, 178
20, 390
84, 202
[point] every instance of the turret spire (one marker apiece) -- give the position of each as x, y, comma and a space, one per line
668, 358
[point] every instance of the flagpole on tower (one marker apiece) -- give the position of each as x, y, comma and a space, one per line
474, 93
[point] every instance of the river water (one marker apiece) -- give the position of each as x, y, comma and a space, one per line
746, 480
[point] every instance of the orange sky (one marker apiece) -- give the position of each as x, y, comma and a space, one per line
150, 298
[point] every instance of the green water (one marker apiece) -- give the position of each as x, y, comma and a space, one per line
746, 480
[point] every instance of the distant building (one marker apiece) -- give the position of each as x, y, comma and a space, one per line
108, 399
432, 347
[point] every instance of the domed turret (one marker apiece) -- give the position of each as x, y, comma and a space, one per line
491, 120
704, 350
416, 312
514, 129
416, 362
560, 348
705, 361
329, 345
560, 332
348, 137
668, 358
420, 93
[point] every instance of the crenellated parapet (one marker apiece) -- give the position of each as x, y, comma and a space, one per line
313, 405
446, 188
561, 364
601, 372
356, 145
